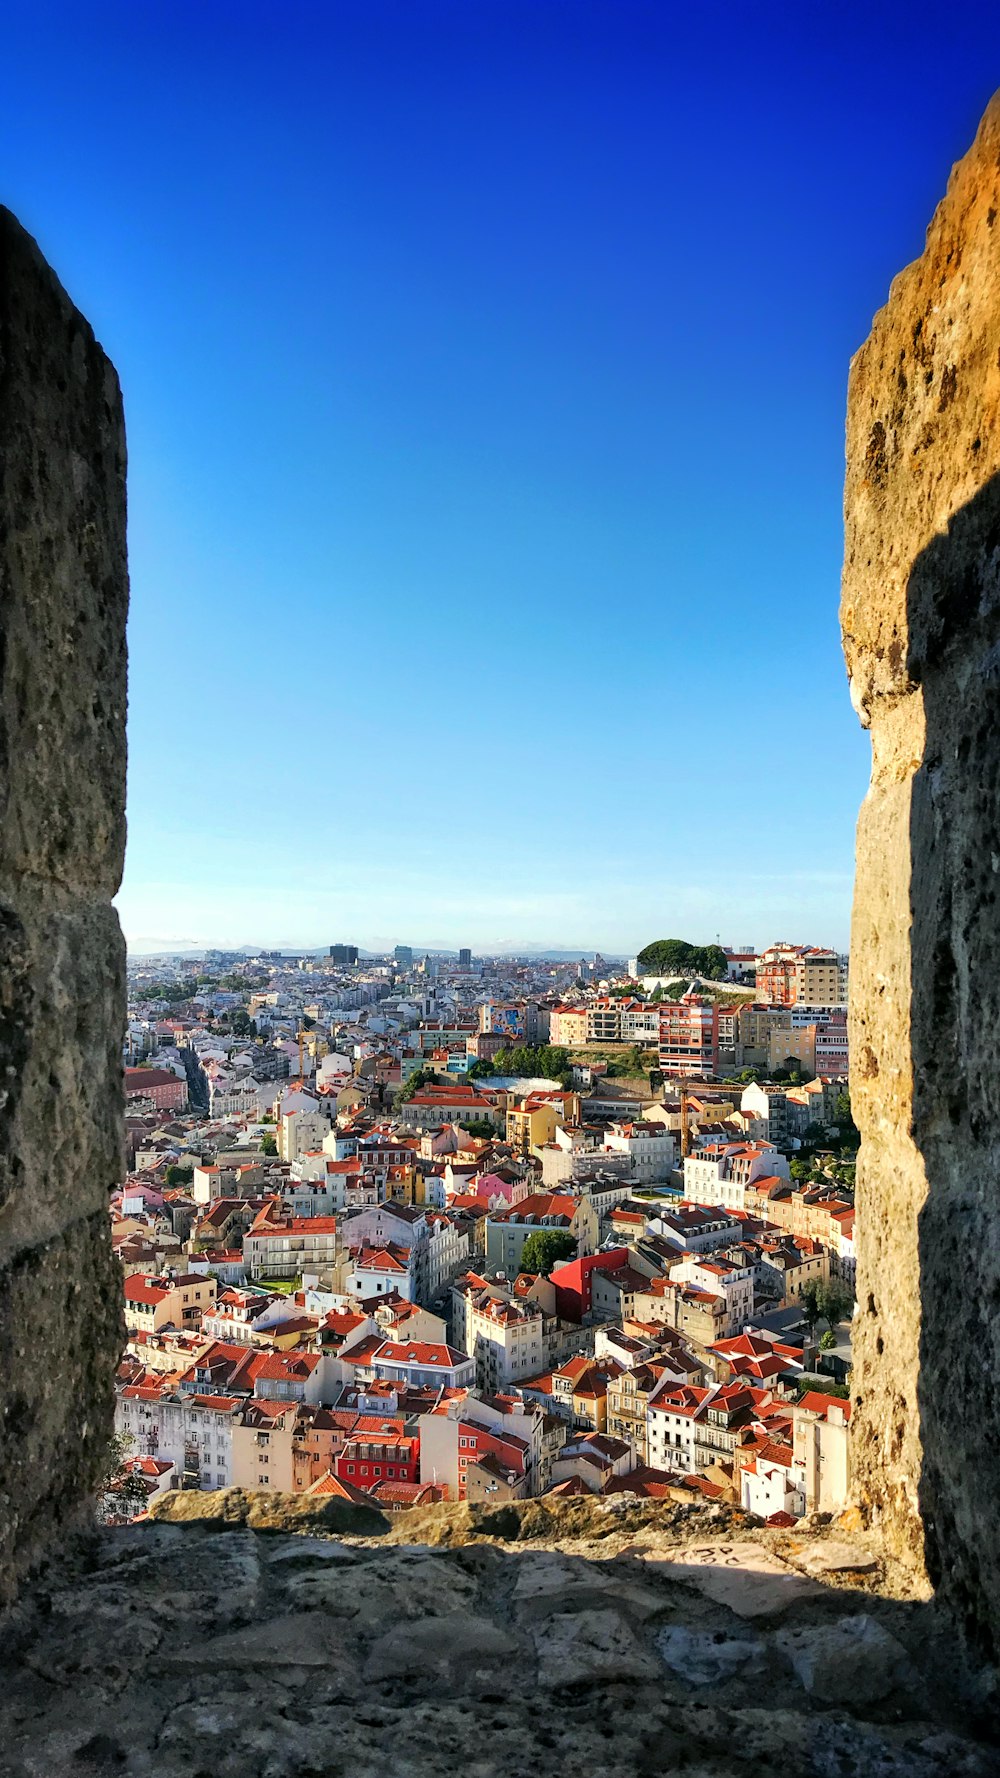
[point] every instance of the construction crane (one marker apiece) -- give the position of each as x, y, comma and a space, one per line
302, 1035
685, 1126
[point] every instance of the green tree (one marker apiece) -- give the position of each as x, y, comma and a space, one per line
179, 1175
480, 1128
627, 1064
545, 1249
666, 956
850, 1135
809, 1298
424, 1077
122, 1491
480, 1070
172, 991
827, 1339
268, 1145
671, 956
813, 1381
834, 1303
546, 1061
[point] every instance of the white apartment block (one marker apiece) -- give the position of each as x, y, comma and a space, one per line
720, 1174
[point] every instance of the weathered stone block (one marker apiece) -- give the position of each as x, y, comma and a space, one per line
61, 1331
921, 625
62, 994
63, 583
63, 601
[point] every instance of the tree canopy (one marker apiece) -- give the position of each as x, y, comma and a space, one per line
671, 956
825, 1302
544, 1061
545, 1249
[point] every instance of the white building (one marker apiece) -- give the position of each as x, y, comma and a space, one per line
650, 1148
720, 1173
720, 1277
194, 1432
769, 1484
301, 1132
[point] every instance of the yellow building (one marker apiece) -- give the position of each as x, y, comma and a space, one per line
532, 1124
789, 1045
153, 1302
568, 1027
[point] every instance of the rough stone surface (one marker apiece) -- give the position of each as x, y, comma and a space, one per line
750, 1579
63, 601
921, 629
175, 1650
227, 1508
853, 1661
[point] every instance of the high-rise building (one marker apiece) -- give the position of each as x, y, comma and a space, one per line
689, 1037
465, 958
404, 956
343, 954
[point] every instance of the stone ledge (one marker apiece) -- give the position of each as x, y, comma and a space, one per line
170, 1649
51, 1451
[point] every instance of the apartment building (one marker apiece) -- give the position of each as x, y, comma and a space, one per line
833, 1050
730, 1279
504, 1019
153, 1302
720, 1173
649, 1147
534, 1122
284, 1247
494, 1447
505, 1336
166, 1090
689, 1037
640, 1022
454, 1103
604, 1022
568, 1027
507, 1231
796, 975
793, 1046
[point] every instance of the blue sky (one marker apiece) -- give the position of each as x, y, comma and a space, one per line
484, 369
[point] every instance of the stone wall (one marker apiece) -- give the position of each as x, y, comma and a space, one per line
63, 603
595, 1636
921, 627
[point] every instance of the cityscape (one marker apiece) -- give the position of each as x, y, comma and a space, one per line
414, 1228
486, 489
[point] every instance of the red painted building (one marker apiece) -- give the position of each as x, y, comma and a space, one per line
573, 1282
369, 1458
